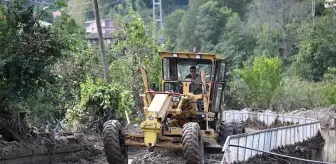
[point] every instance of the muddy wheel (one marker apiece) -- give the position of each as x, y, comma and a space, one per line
226, 129
115, 149
192, 141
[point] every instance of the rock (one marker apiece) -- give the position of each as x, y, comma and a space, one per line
324, 115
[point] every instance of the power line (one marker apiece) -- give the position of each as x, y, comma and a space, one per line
93, 9
79, 4
71, 5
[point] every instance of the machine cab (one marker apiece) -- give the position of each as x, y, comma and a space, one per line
176, 68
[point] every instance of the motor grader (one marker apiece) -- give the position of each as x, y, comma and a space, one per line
184, 114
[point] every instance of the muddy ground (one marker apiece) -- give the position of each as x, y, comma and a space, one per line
43, 149
159, 156
85, 149
94, 152
324, 115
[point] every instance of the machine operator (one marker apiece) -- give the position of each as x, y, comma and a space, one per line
193, 75
196, 88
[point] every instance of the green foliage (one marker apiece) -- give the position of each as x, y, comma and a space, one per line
172, 29
263, 80
293, 93
189, 39
235, 43
330, 79
28, 50
44, 69
211, 20
298, 93
317, 48
331, 94
268, 43
330, 74
99, 99
141, 45
238, 6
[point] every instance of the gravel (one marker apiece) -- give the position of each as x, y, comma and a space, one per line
324, 115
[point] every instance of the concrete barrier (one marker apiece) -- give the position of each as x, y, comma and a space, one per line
268, 139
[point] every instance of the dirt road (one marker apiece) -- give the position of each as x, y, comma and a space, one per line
90, 149
160, 156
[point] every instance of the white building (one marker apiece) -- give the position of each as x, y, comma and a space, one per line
329, 3
92, 33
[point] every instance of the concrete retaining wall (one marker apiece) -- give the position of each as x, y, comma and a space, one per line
266, 140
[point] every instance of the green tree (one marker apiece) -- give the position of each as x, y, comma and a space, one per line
236, 43
211, 20
263, 80
189, 39
274, 25
136, 44
238, 6
317, 48
330, 79
171, 28
100, 101
28, 50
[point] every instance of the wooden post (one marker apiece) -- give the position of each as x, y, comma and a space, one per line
101, 43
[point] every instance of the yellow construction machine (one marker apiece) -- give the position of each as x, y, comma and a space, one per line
185, 113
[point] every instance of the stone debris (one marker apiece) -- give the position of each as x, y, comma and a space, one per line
324, 115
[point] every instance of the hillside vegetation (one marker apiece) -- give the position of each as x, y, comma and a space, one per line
279, 57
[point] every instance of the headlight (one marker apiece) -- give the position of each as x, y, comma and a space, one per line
176, 99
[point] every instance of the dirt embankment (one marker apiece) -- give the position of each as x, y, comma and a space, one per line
324, 115
42, 149
260, 125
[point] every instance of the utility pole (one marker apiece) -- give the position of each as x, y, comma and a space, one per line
157, 3
6, 3
313, 12
101, 43
158, 18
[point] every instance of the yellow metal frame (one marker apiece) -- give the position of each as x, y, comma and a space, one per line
189, 55
158, 105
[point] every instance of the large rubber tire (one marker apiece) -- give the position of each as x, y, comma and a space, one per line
115, 148
192, 141
225, 130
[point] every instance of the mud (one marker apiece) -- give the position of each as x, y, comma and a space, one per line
324, 115
84, 149
309, 149
161, 156
41, 150
261, 125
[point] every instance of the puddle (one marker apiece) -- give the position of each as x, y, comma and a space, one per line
329, 149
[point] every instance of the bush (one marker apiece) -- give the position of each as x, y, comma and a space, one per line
330, 80
262, 81
100, 101
297, 93
294, 93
